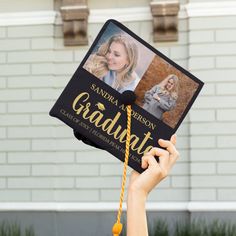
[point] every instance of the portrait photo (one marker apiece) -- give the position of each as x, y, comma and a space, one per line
118, 59
165, 92
162, 88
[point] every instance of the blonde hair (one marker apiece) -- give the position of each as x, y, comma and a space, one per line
174, 91
97, 63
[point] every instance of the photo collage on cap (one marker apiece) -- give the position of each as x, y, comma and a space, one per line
124, 63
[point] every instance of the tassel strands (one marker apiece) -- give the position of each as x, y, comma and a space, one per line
117, 227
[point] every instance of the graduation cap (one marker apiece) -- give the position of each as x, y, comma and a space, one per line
124, 96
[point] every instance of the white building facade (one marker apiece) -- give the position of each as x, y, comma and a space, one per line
45, 172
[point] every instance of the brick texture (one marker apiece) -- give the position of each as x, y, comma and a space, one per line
212, 127
40, 160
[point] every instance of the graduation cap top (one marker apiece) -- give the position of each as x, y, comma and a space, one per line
119, 69
124, 80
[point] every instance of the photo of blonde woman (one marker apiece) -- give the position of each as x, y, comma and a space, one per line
115, 62
162, 97
118, 59
165, 92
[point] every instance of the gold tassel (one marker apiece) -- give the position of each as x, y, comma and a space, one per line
117, 227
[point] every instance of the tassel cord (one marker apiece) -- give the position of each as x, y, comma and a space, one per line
117, 228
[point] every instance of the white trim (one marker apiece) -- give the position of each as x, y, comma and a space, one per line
164, 2
204, 9
120, 14
207, 9
111, 206
27, 18
95, 16
212, 206
126, 14
74, 7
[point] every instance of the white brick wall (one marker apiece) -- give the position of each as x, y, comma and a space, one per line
30, 31
212, 23
111, 169
213, 118
209, 49
40, 183
14, 44
99, 182
201, 194
201, 63
203, 168
8, 195
29, 107
42, 43
14, 145
14, 120
3, 157
14, 95
14, 69
65, 170
95, 156
2, 57
201, 36
40, 160
2, 32
2, 183
226, 115
66, 195
212, 155
40, 157
180, 182
3, 133
226, 194
180, 194
225, 35
111, 195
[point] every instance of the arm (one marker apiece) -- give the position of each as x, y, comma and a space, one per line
136, 213
141, 184
167, 104
149, 94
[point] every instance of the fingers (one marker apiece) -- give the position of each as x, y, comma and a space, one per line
173, 139
169, 145
158, 152
149, 157
167, 156
147, 160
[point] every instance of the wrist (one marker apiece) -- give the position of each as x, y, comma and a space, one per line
134, 192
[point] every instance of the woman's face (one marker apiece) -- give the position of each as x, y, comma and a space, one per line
170, 85
116, 56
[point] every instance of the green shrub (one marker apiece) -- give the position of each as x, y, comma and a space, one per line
195, 228
217, 228
14, 229
159, 228
202, 228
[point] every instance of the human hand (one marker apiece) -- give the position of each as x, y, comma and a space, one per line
143, 183
155, 96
